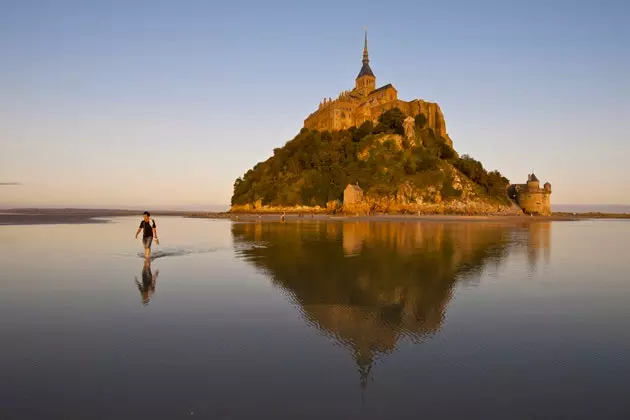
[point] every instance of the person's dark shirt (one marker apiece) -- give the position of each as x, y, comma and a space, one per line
147, 228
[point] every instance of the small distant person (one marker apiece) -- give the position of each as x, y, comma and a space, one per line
148, 228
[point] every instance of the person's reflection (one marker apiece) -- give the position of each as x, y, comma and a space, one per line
147, 287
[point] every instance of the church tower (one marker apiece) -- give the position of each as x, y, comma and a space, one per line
366, 81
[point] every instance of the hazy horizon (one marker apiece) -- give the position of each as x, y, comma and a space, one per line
163, 207
156, 104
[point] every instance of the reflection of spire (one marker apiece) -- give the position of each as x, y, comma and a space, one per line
398, 283
364, 365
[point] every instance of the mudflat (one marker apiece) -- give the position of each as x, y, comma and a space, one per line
35, 216
502, 317
47, 219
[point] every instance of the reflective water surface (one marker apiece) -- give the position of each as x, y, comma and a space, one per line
316, 319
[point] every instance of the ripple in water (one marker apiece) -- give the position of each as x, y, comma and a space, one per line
170, 252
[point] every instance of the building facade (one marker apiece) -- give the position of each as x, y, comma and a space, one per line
353, 194
531, 198
366, 102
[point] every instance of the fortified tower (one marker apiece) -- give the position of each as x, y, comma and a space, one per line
530, 197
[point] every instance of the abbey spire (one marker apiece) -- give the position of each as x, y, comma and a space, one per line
365, 50
365, 69
366, 81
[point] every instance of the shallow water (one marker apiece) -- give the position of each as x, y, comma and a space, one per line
313, 320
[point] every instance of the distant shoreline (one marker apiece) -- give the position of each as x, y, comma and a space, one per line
7, 219
88, 216
387, 217
35, 216
557, 216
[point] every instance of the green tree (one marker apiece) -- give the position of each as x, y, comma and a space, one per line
364, 129
391, 122
314, 167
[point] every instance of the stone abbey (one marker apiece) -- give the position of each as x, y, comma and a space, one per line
366, 102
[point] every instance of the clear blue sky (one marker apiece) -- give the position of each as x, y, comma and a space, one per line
164, 103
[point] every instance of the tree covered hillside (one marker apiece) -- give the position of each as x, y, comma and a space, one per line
315, 167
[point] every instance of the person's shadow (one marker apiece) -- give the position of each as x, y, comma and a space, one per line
147, 287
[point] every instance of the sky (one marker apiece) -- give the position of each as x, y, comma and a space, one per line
163, 104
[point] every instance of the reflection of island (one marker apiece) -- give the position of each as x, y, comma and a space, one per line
368, 284
147, 287
539, 239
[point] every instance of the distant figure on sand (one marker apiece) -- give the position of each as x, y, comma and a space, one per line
148, 228
147, 287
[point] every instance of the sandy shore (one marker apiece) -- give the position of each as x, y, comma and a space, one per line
395, 217
411, 217
81, 216
51, 218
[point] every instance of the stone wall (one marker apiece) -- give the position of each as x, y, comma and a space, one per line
260, 209
387, 206
534, 202
344, 113
547, 205
455, 207
352, 195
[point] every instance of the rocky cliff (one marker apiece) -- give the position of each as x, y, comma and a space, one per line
403, 164
435, 118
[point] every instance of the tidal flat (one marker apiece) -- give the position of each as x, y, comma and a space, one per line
315, 318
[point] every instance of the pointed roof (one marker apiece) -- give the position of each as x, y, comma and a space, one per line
387, 86
365, 69
532, 178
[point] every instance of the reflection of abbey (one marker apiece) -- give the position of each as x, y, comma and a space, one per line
366, 102
531, 198
369, 285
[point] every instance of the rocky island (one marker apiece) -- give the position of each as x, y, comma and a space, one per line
369, 152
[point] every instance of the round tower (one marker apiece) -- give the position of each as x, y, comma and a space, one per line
533, 184
547, 187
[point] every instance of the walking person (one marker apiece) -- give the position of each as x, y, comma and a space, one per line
149, 231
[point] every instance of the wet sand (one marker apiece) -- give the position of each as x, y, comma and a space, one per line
396, 217
88, 216
382, 217
47, 219
33, 216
